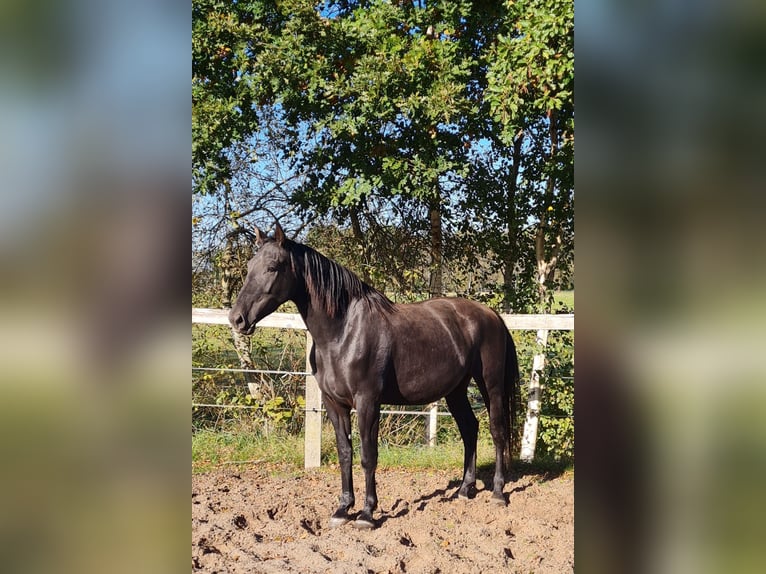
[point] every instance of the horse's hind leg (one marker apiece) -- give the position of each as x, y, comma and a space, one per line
494, 396
461, 410
498, 428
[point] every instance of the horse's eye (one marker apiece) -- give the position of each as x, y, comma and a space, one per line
272, 269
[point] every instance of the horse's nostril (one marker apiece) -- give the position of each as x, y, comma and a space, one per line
236, 319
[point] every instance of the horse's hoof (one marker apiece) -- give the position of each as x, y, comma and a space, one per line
498, 499
362, 524
337, 521
466, 493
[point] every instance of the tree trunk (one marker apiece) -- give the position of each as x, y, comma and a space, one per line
547, 258
512, 249
546, 267
436, 285
508, 267
241, 342
228, 269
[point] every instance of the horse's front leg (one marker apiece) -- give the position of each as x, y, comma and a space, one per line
340, 417
368, 413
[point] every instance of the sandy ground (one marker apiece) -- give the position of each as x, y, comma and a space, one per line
255, 519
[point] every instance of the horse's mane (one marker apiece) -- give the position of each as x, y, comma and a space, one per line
331, 285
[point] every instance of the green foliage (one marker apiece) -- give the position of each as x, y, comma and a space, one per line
278, 404
392, 109
378, 95
556, 431
532, 63
224, 38
530, 95
555, 440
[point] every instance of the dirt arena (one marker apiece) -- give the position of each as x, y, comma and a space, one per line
254, 519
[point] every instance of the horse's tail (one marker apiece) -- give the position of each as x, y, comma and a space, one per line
512, 402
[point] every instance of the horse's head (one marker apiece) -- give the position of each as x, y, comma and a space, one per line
270, 281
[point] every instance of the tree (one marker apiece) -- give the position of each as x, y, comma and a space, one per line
444, 109
530, 92
380, 91
224, 39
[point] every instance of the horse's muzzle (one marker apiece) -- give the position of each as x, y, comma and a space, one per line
239, 322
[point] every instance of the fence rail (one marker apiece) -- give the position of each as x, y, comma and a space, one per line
313, 421
531, 322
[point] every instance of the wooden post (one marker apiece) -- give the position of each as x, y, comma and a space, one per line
529, 440
312, 453
431, 434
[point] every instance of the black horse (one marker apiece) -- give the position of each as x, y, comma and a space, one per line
368, 350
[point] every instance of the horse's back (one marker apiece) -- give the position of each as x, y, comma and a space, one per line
449, 315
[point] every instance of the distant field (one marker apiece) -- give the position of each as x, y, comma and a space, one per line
564, 298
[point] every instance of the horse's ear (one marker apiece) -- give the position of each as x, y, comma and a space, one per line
259, 237
279, 235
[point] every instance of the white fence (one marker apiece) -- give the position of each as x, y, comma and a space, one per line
313, 422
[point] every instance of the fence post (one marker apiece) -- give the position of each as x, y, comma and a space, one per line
312, 453
529, 440
431, 434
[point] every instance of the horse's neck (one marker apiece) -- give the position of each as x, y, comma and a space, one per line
322, 327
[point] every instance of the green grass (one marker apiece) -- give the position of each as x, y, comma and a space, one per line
211, 448
443, 456
284, 453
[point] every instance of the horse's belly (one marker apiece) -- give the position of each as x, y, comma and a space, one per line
423, 385
394, 397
